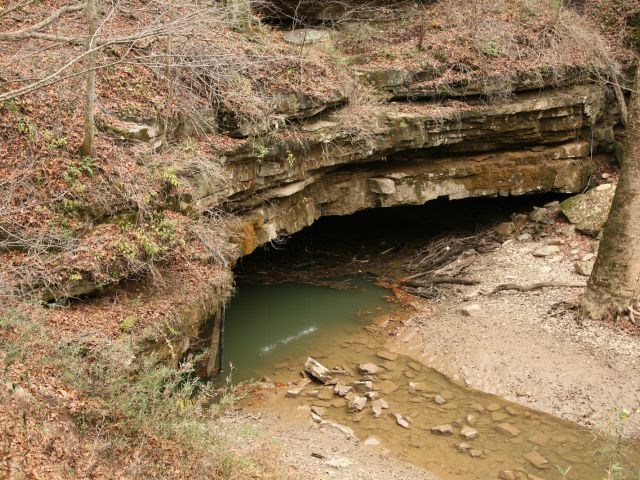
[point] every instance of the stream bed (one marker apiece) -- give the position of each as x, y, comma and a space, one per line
450, 430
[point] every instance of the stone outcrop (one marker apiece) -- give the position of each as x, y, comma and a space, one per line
409, 154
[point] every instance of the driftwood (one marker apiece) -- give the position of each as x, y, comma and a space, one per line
317, 370
536, 286
442, 250
437, 280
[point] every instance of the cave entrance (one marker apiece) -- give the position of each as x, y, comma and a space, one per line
378, 241
319, 284
332, 280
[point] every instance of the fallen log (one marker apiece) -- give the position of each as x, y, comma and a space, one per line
537, 286
317, 370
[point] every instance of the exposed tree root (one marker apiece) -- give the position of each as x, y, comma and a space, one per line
537, 286
438, 280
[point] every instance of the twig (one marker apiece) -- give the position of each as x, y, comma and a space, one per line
536, 286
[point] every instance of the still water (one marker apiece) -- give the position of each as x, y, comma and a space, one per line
271, 329
269, 324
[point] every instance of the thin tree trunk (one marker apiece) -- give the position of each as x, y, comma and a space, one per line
90, 90
614, 284
240, 14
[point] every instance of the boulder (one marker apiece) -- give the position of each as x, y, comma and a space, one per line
539, 215
588, 211
506, 228
583, 268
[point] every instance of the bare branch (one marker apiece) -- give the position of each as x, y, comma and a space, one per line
15, 7
25, 32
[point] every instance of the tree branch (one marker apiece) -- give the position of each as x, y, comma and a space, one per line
25, 32
15, 7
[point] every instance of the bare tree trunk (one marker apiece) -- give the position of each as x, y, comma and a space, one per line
90, 90
614, 284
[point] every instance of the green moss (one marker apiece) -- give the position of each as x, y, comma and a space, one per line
619, 152
128, 323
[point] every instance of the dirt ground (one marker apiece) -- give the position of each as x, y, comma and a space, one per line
528, 347
520, 347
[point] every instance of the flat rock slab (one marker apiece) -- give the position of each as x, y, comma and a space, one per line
439, 400
381, 402
325, 394
442, 429
297, 389
369, 368
317, 370
387, 355
546, 251
319, 125
508, 429
471, 310
468, 433
339, 462
386, 387
342, 390
305, 36
537, 460
588, 211
365, 386
371, 442
357, 404
401, 420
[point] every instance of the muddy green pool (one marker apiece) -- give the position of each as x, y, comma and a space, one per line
270, 330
